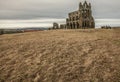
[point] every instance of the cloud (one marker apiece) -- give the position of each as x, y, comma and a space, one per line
33, 8
28, 9
42, 13
48, 22
42, 22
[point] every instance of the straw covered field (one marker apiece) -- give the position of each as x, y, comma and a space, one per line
91, 55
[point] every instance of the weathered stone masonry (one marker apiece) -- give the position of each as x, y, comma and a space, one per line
80, 19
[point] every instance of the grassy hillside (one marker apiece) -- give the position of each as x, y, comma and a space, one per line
61, 56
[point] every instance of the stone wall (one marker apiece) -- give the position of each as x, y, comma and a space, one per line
81, 18
55, 25
63, 26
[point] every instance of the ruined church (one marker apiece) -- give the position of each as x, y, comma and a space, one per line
80, 19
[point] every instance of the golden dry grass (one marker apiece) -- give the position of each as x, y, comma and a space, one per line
61, 56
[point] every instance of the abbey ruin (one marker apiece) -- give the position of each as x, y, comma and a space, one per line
80, 19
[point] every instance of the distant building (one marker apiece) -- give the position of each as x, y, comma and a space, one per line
106, 27
63, 26
55, 25
80, 19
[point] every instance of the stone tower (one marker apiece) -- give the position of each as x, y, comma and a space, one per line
55, 25
82, 18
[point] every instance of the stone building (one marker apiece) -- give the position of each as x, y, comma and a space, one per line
63, 26
82, 18
55, 25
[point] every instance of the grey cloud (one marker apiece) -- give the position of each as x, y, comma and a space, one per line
28, 9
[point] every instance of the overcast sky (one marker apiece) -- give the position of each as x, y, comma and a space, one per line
30, 9
42, 13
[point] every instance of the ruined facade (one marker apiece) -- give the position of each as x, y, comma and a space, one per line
63, 26
82, 18
55, 25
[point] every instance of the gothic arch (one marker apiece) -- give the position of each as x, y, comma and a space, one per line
70, 25
73, 25
78, 25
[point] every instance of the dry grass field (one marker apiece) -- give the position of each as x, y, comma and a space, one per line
61, 56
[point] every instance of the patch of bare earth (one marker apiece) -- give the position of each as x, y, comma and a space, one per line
61, 56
